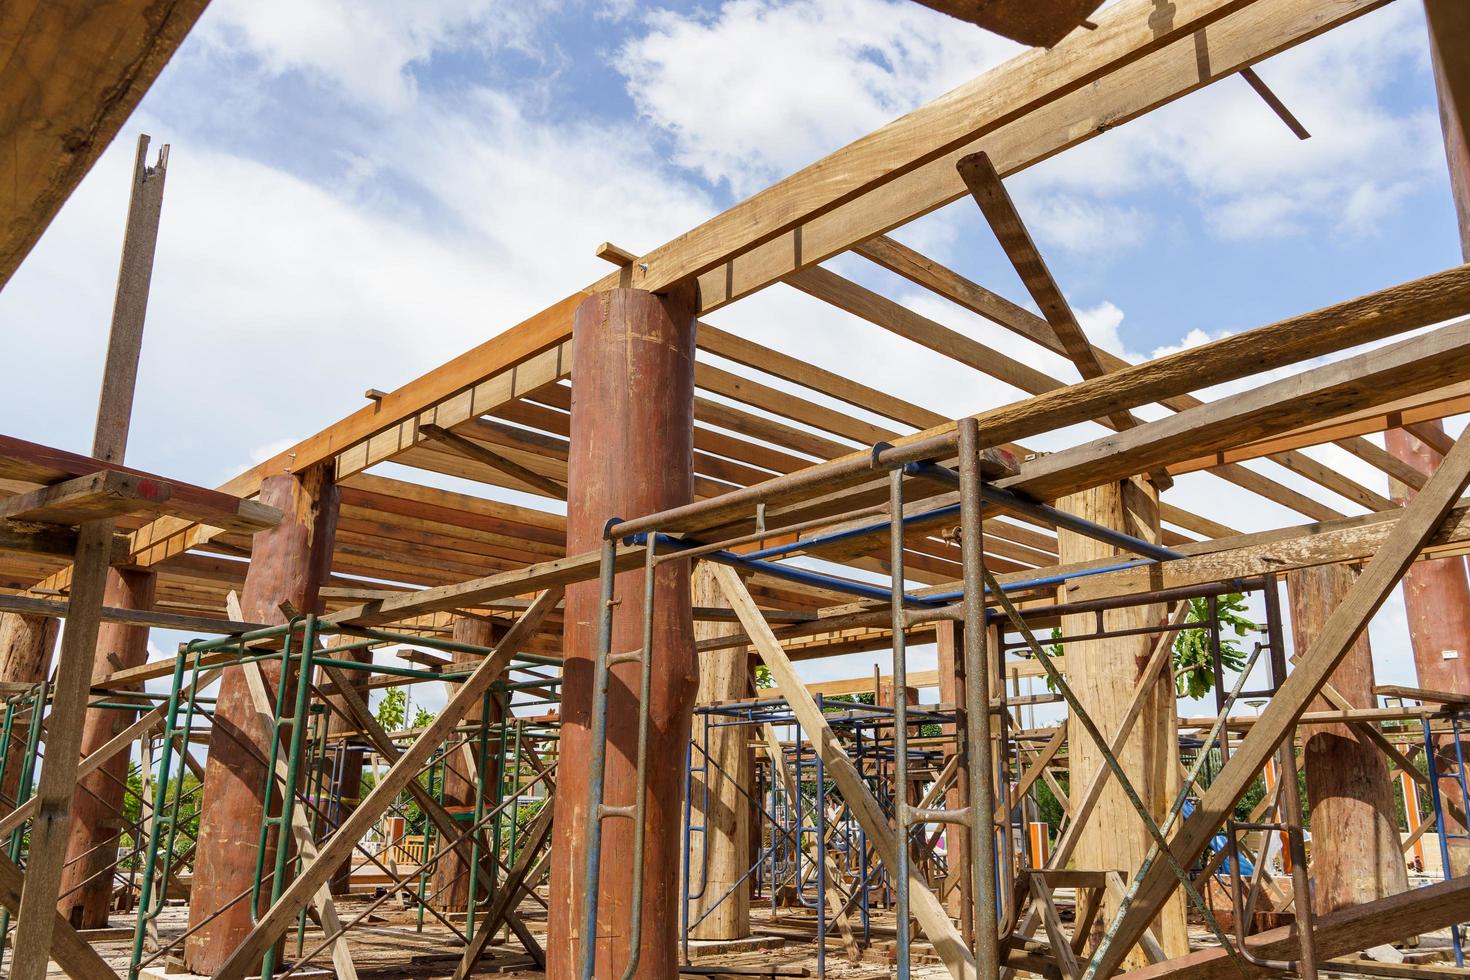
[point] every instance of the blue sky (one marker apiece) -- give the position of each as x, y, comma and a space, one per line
360, 190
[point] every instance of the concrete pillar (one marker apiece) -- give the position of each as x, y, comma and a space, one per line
720, 857
287, 564
1104, 674
26, 645
1355, 852
631, 454
97, 807
450, 882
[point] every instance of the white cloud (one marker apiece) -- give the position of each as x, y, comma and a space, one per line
1225, 151
367, 48
760, 88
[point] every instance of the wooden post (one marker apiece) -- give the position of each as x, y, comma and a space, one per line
97, 807
1104, 674
450, 882
720, 857
26, 643
950, 638
287, 565
49, 833
631, 454
1348, 784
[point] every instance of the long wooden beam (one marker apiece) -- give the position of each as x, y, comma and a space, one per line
1343, 386
72, 72
1412, 531
1358, 927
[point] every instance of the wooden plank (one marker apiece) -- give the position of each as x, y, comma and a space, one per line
87, 498
1342, 386
1417, 525
926, 908
72, 953
281, 914
479, 453
48, 539
33, 463
1347, 539
1414, 912
73, 73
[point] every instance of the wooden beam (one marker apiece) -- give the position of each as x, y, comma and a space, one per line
926, 908
1342, 386
1412, 531
87, 498
73, 72
481, 454
1414, 912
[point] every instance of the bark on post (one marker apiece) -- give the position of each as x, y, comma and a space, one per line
97, 807
719, 905
1356, 855
631, 454
450, 883
26, 645
287, 564
1104, 674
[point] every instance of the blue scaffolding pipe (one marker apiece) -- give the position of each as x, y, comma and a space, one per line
1049, 514
807, 577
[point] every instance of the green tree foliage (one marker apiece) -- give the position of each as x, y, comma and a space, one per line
1194, 670
392, 709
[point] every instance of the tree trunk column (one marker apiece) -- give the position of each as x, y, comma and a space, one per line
287, 564
1356, 855
1104, 674
450, 882
97, 807
949, 637
720, 857
26, 645
1437, 604
631, 454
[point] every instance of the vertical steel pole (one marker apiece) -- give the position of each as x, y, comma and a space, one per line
979, 758
591, 869
900, 716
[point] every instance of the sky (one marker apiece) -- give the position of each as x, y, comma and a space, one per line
358, 191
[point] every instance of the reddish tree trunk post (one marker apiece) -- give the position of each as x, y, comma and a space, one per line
450, 882
26, 645
287, 564
97, 806
1437, 603
631, 454
1356, 856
